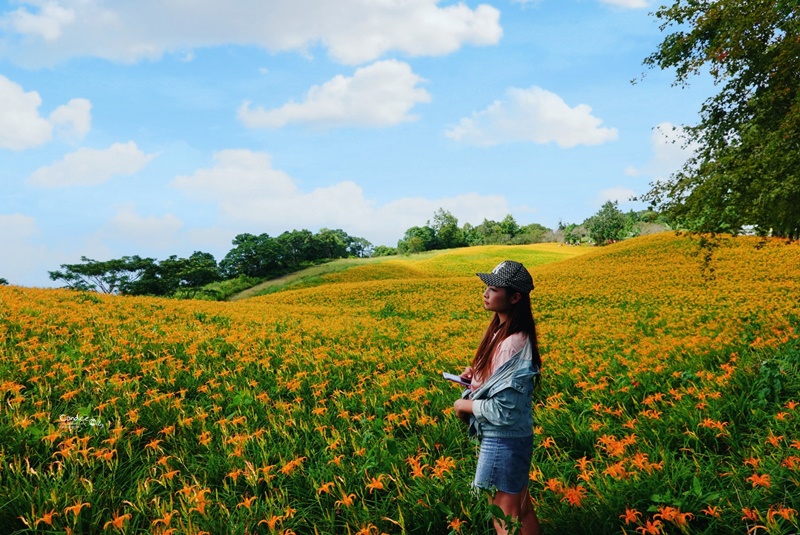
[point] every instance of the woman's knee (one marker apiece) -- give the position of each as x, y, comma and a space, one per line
509, 503
525, 502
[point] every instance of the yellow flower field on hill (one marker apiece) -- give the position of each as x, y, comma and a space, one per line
669, 403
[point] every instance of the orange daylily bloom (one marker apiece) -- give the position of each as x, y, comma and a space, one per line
651, 527
376, 483
347, 500
574, 495
47, 518
762, 480
712, 510
166, 519
630, 516
247, 502
118, 521
456, 524
76, 509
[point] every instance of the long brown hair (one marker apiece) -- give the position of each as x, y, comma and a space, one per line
520, 319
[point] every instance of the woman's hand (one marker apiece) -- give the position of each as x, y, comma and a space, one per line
467, 373
463, 409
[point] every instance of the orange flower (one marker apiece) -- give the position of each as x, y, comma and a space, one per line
548, 442
712, 510
786, 513
442, 466
271, 522
376, 483
574, 495
674, 515
76, 509
169, 475
630, 516
347, 500
651, 527
47, 518
554, 485
325, 487
247, 502
752, 462
582, 463
774, 441
750, 514
166, 519
456, 524
760, 480
118, 521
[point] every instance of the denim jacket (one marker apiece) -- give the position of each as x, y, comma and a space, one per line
502, 405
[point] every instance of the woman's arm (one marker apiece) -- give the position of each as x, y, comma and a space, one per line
463, 409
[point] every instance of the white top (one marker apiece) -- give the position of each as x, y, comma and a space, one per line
509, 347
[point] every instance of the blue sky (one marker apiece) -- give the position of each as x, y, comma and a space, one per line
162, 127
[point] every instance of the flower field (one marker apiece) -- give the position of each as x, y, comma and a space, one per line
670, 400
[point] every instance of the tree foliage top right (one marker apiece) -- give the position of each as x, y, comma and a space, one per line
746, 169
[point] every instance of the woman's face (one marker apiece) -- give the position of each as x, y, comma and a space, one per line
496, 299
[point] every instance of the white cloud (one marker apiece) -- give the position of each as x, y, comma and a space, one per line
21, 126
380, 94
628, 4
618, 194
48, 23
670, 152
353, 31
74, 119
16, 227
247, 190
147, 232
87, 167
21, 256
532, 115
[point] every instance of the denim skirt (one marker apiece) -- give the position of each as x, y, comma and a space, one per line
504, 464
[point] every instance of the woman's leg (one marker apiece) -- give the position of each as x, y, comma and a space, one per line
516, 506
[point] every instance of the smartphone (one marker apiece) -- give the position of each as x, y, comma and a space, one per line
455, 378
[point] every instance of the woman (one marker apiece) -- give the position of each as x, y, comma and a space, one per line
498, 403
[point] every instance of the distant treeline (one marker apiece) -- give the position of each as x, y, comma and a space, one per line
253, 258
259, 257
608, 225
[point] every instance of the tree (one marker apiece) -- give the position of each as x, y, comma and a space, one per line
607, 225
359, 247
509, 226
746, 170
110, 276
446, 231
573, 233
488, 232
332, 243
253, 256
3, 282
383, 250
417, 239
533, 233
199, 270
298, 247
